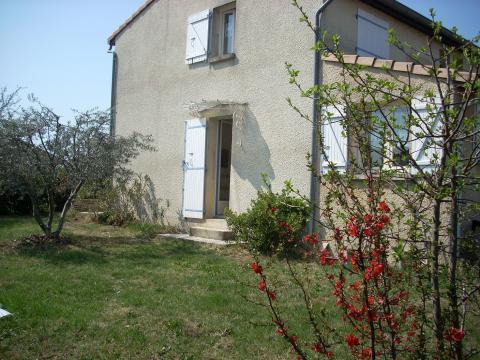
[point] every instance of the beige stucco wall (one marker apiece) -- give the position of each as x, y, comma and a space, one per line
154, 83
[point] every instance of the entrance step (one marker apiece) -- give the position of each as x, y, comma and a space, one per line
211, 229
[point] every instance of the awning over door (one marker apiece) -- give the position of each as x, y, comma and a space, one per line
213, 108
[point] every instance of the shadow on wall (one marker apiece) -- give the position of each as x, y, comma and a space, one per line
251, 155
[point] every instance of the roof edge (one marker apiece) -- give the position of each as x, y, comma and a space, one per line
391, 7
111, 39
416, 20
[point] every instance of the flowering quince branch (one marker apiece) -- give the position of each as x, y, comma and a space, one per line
320, 346
271, 295
390, 221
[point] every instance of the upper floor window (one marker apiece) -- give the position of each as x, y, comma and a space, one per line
228, 31
372, 36
211, 34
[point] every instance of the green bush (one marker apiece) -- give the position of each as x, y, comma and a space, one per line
131, 199
274, 223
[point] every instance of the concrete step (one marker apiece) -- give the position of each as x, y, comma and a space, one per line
210, 232
213, 223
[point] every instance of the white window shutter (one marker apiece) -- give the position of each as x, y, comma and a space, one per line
372, 36
198, 34
424, 151
194, 168
336, 144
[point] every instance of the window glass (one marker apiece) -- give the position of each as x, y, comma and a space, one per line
400, 157
228, 29
398, 145
376, 139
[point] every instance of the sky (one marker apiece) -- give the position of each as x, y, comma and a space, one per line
57, 49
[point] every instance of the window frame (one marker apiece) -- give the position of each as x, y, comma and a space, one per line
221, 47
388, 143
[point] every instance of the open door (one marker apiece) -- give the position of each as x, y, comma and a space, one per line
224, 162
194, 168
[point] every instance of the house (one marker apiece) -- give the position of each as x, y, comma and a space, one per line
207, 79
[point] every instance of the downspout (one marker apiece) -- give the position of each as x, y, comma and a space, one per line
314, 188
113, 95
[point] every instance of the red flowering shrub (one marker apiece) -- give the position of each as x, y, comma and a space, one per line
454, 335
390, 220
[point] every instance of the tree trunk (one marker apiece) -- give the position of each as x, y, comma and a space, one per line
434, 269
452, 275
65, 209
36, 214
51, 208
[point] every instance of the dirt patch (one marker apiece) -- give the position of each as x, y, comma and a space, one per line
41, 242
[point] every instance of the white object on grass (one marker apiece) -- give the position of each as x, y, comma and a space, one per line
4, 313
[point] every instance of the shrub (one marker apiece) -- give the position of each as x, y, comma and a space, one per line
274, 223
132, 200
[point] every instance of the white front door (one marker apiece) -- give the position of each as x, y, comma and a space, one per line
194, 168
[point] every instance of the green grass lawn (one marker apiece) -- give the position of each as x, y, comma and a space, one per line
111, 295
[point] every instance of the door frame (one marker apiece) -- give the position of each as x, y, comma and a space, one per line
218, 151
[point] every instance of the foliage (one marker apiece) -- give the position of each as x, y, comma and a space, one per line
40, 155
274, 222
132, 199
390, 222
14, 202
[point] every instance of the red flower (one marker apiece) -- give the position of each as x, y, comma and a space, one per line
385, 219
356, 285
352, 228
367, 353
368, 232
286, 226
293, 340
338, 287
352, 340
383, 207
368, 218
454, 335
354, 262
326, 257
378, 269
257, 269
319, 348
261, 285
272, 295
379, 226
311, 239
371, 300
273, 210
